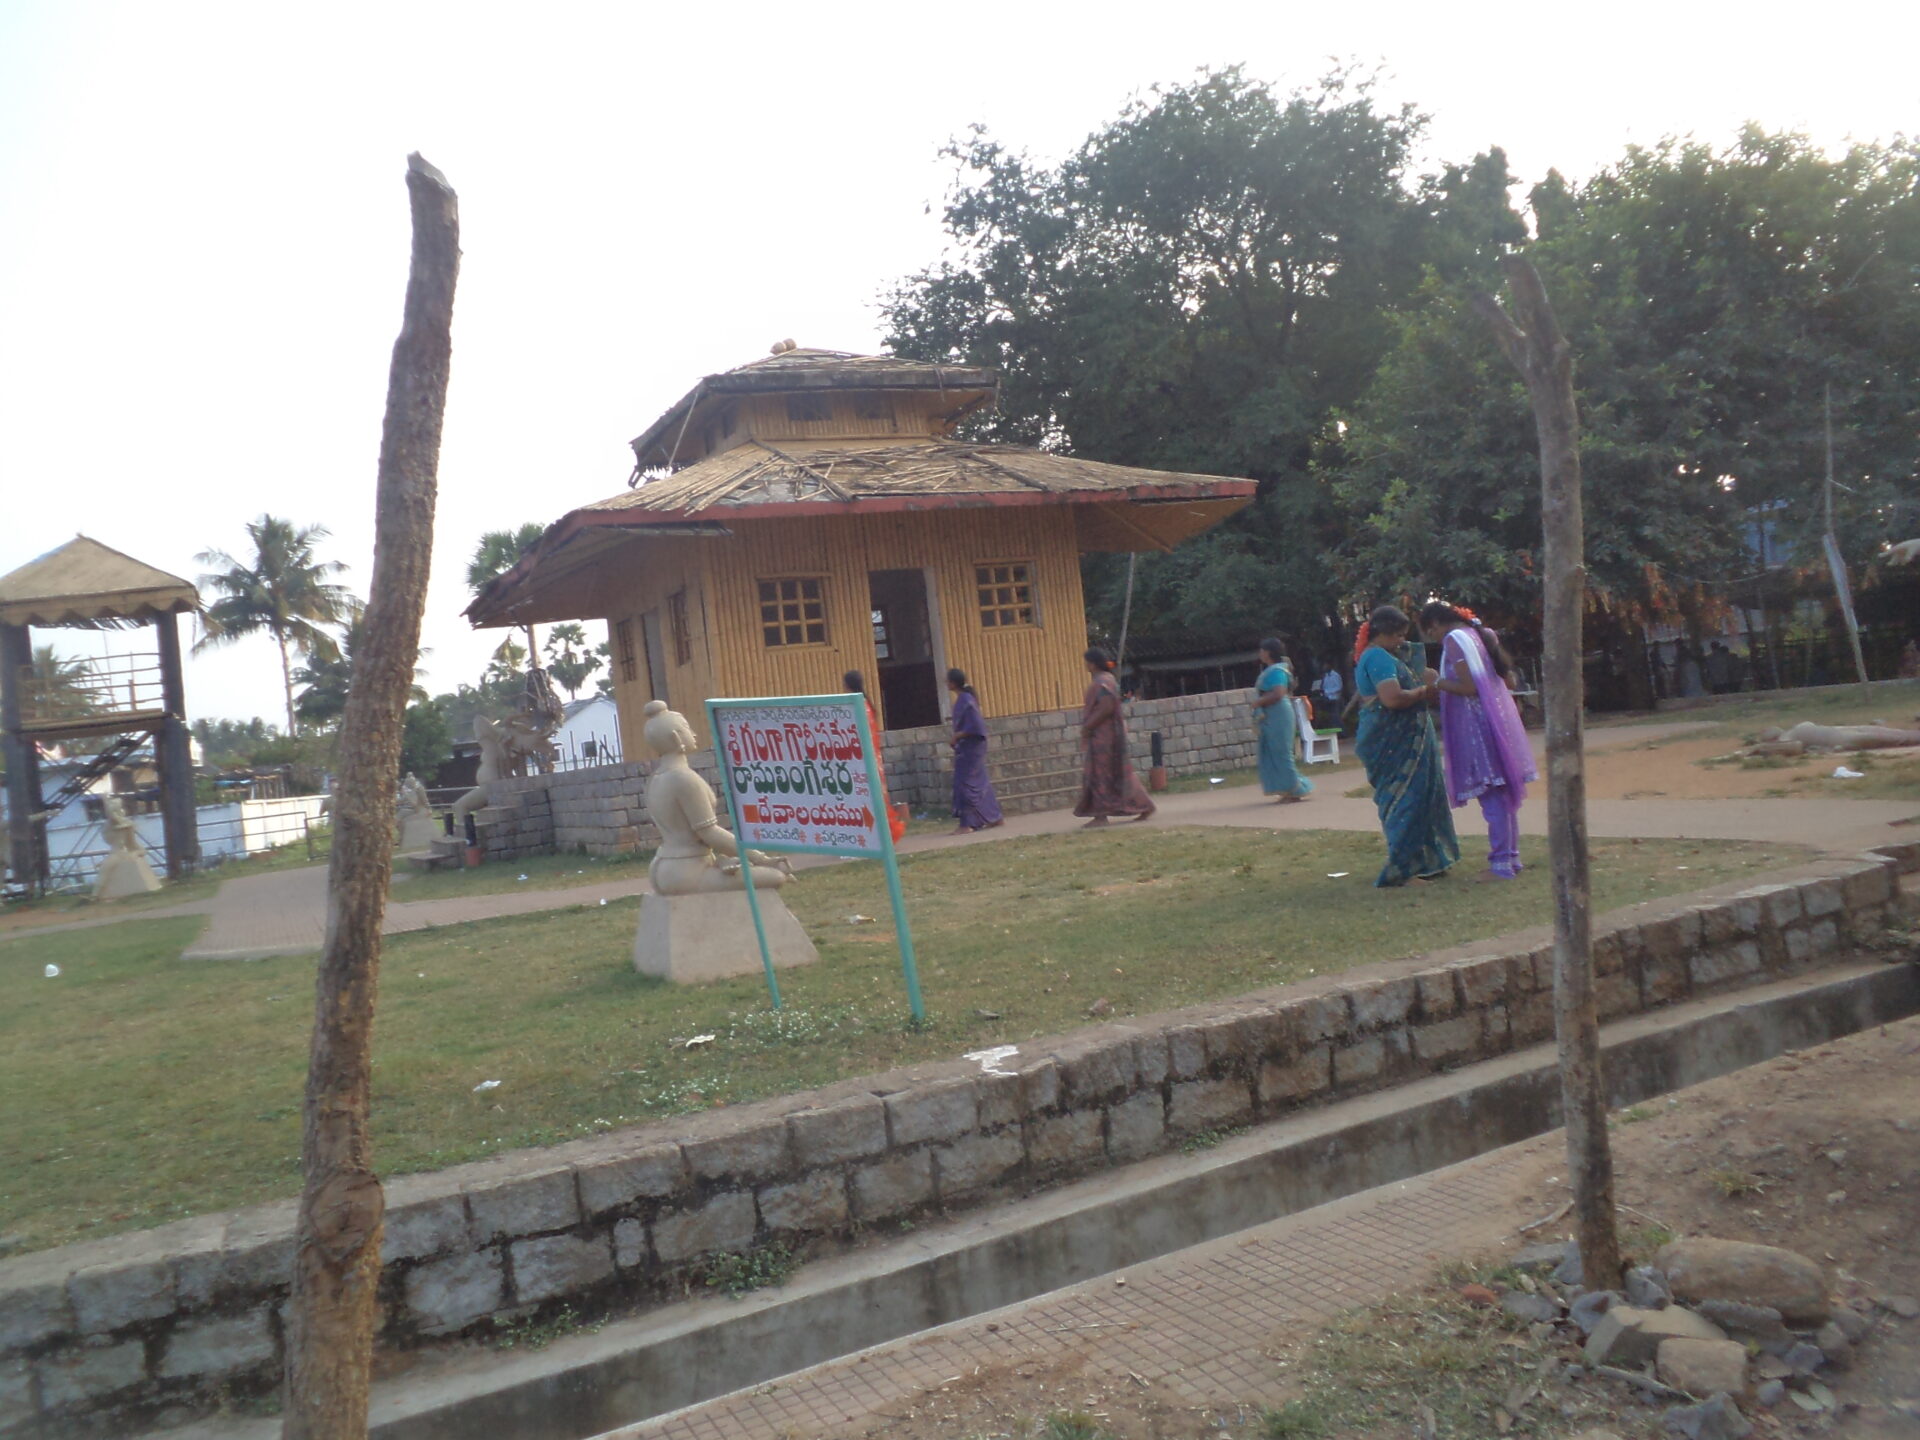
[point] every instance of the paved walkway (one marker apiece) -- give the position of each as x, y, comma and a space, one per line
284, 912
1197, 1326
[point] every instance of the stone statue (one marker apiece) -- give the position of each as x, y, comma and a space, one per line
125, 870
1807, 737
696, 924
681, 806
508, 747
413, 818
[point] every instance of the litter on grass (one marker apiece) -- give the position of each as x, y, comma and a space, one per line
51, 971
486, 1085
990, 1059
1841, 772
1338, 874
696, 1041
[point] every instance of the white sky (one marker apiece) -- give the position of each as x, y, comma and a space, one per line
203, 224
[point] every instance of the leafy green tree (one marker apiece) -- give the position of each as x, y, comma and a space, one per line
569, 660
282, 589
60, 686
1710, 297
498, 552
604, 685
326, 681
225, 743
426, 740
1197, 287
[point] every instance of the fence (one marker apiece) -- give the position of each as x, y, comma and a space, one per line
227, 832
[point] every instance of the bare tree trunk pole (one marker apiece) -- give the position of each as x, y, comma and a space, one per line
337, 1263
1539, 351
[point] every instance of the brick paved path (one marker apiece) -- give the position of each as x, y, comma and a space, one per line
1200, 1324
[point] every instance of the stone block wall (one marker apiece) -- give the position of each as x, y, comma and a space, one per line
1034, 760
95, 1338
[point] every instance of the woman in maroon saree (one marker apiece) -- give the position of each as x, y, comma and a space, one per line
975, 807
1108, 785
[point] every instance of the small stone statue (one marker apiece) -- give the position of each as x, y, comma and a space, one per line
413, 817
696, 925
125, 871
681, 806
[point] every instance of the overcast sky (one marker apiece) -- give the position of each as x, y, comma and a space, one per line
203, 224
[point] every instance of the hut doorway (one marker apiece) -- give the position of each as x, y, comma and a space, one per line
656, 656
905, 641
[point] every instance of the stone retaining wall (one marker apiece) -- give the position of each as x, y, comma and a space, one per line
99, 1336
1034, 760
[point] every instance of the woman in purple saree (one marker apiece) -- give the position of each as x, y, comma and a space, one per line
974, 805
1488, 756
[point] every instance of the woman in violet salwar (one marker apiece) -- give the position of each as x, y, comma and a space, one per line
856, 684
975, 806
1488, 757
1108, 785
1402, 755
1274, 725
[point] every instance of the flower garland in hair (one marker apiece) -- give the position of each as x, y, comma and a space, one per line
1466, 614
1362, 640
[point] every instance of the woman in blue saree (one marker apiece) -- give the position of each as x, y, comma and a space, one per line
975, 807
1398, 746
1274, 724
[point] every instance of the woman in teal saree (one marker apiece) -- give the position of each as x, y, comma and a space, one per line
1398, 746
1274, 727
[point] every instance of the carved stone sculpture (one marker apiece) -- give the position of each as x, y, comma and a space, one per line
413, 819
1807, 736
509, 747
696, 924
125, 870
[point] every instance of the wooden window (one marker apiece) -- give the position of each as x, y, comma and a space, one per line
882, 646
803, 408
624, 651
793, 611
677, 622
1005, 591
871, 406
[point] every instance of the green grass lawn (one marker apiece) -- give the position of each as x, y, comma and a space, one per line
141, 1088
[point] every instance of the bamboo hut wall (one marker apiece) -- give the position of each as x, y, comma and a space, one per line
657, 569
1016, 670
896, 414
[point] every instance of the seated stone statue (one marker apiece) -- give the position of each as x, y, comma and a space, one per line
696, 925
681, 806
1807, 736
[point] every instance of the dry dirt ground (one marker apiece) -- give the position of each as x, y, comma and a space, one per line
1817, 1151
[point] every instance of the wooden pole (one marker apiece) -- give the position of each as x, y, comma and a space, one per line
179, 815
26, 845
1842, 592
1540, 352
337, 1260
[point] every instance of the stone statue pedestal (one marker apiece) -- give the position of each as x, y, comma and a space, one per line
418, 832
124, 873
689, 939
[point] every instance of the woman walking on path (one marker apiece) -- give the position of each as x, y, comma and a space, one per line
1108, 785
1488, 757
1402, 754
1274, 723
975, 807
856, 684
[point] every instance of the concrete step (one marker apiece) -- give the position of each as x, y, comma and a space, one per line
633, 1372
433, 860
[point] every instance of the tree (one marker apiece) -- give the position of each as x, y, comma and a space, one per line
498, 552
1534, 344
336, 1265
1197, 287
426, 740
568, 659
328, 680
61, 687
1710, 294
282, 590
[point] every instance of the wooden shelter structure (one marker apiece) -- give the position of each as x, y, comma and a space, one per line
123, 702
814, 512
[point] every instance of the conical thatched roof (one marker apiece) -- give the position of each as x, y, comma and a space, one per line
92, 586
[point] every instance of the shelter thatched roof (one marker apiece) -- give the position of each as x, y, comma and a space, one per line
1116, 507
798, 370
92, 586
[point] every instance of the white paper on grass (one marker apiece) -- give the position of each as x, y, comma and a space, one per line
1841, 772
990, 1059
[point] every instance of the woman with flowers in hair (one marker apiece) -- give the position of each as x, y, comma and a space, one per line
1402, 754
1488, 756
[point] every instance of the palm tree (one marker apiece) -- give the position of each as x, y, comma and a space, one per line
498, 552
59, 688
283, 591
568, 665
324, 699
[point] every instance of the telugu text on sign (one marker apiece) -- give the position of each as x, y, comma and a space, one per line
799, 776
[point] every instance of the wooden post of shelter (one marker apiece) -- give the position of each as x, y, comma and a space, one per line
26, 841
174, 757
337, 1255
1533, 341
